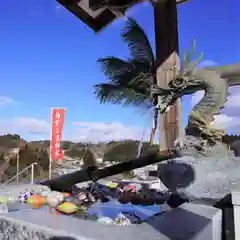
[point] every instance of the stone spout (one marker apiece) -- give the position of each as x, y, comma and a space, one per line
65, 182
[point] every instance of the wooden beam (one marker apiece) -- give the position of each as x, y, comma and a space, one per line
230, 72
96, 20
166, 40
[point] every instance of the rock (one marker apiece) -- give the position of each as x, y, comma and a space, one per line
195, 147
82, 197
91, 198
126, 197
122, 220
54, 198
105, 220
45, 193
131, 217
3, 208
17, 190
200, 177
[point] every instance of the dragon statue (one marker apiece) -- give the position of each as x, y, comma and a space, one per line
199, 133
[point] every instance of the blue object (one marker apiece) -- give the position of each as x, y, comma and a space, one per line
112, 208
24, 196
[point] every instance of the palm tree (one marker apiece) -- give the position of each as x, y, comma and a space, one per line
131, 79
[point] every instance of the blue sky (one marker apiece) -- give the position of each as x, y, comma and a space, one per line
48, 59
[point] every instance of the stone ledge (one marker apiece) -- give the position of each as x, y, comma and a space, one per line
187, 222
236, 209
236, 198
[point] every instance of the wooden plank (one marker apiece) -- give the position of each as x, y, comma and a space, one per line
230, 72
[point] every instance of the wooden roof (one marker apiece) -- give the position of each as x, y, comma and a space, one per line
97, 22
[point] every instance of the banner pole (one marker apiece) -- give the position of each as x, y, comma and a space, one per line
50, 150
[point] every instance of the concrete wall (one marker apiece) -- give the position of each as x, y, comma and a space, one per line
187, 222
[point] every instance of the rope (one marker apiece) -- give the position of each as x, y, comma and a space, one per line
143, 135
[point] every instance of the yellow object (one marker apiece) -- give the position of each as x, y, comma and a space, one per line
4, 199
36, 201
67, 207
112, 185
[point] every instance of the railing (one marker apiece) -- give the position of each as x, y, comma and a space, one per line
21, 172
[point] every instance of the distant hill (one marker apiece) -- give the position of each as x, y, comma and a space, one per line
229, 139
126, 150
38, 151
10, 141
233, 141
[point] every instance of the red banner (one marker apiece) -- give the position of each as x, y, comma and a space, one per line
57, 128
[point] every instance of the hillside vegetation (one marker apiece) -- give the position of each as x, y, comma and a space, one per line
38, 151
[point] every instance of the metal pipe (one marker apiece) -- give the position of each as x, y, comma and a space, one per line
17, 178
32, 173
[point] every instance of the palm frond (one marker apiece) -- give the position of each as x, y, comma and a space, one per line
126, 72
113, 67
131, 79
117, 94
138, 43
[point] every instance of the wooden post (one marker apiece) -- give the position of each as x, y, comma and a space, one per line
166, 40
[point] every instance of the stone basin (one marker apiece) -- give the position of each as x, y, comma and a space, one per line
110, 209
188, 221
